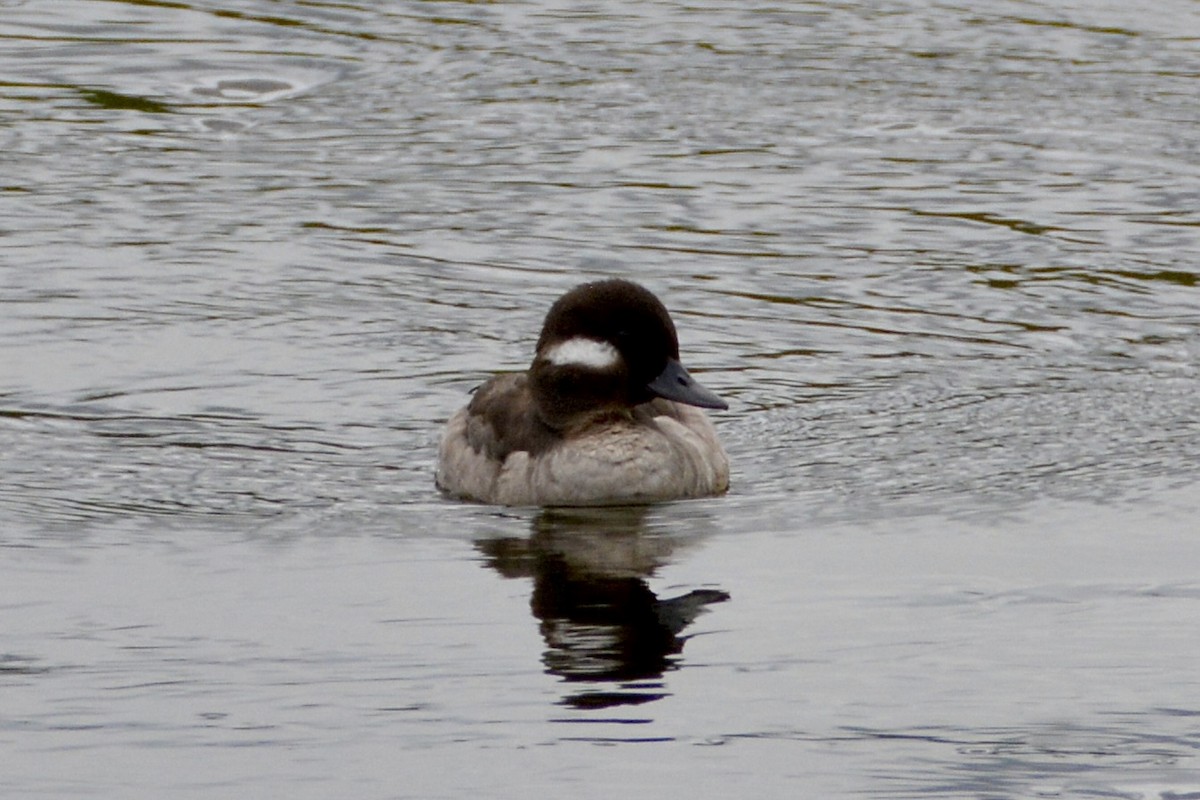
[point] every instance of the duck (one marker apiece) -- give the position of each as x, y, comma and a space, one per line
605, 415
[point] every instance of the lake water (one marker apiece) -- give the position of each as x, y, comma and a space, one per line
940, 258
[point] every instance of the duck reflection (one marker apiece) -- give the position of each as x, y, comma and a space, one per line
601, 621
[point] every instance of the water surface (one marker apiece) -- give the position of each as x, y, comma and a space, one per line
940, 259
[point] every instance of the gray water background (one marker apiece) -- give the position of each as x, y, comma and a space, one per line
940, 258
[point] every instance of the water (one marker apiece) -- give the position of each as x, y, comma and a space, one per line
940, 259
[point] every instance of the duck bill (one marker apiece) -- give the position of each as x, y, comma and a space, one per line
676, 383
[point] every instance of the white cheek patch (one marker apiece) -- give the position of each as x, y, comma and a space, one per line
581, 352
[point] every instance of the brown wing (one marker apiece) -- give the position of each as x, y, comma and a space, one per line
502, 419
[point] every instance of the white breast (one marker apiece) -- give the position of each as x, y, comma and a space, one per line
627, 462
618, 463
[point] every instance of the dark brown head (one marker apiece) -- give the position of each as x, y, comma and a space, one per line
608, 346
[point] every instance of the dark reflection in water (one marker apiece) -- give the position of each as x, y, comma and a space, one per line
603, 625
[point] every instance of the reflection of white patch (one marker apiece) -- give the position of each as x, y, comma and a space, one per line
580, 352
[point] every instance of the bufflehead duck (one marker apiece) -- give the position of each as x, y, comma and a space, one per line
605, 415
